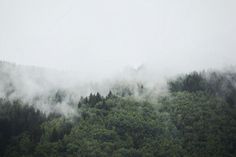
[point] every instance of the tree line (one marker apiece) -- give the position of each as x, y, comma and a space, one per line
197, 118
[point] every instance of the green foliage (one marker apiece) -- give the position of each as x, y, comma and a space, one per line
192, 82
17, 119
203, 123
198, 118
221, 84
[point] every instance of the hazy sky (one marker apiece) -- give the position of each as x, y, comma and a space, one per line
106, 35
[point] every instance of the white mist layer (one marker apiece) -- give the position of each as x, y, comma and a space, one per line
60, 91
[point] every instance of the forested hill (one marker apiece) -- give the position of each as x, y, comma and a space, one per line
196, 118
58, 91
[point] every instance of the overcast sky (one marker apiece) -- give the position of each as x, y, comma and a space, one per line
106, 35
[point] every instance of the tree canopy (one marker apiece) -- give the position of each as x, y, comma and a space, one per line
197, 118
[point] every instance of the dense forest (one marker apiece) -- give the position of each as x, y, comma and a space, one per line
196, 118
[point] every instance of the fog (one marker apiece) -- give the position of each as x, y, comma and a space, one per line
79, 47
51, 90
101, 38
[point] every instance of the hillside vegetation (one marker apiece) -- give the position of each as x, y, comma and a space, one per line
197, 118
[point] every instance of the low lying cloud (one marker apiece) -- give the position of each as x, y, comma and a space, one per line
60, 91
